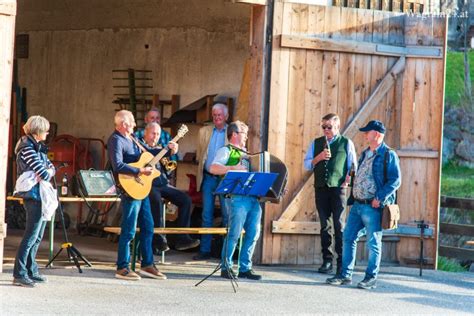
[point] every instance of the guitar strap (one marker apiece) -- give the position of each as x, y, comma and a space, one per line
138, 144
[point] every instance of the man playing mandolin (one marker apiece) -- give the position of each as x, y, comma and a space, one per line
123, 149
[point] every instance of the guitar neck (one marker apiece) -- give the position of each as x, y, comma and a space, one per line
163, 152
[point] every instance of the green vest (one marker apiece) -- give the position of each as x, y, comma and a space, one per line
234, 156
331, 173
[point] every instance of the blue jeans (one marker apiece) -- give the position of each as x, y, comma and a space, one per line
25, 263
363, 219
209, 185
133, 212
245, 212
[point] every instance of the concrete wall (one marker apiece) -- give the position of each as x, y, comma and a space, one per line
193, 47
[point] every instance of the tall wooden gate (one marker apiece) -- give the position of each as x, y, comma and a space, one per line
362, 65
7, 33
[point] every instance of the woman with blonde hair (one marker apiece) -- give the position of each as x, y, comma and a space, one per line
33, 167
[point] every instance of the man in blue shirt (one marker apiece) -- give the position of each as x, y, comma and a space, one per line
162, 189
375, 186
154, 116
122, 149
244, 211
211, 138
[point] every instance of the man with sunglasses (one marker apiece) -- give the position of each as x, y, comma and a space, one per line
331, 158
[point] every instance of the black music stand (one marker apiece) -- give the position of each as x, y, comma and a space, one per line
254, 184
73, 253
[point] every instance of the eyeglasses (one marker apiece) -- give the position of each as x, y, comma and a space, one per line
328, 127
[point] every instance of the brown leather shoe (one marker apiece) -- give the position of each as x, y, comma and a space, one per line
126, 274
152, 272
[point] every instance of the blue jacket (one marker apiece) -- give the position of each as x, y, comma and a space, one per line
122, 151
386, 191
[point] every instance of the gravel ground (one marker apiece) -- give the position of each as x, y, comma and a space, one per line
284, 289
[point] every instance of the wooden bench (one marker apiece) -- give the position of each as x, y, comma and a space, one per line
175, 230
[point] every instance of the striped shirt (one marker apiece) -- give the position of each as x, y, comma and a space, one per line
35, 162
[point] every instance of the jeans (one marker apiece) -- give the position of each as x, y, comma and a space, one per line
330, 202
134, 211
178, 198
363, 219
209, 185
245, 212
25, 263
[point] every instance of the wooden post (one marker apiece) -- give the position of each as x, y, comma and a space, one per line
257, 84
7, 32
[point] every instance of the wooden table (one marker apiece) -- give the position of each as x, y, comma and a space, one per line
65, 199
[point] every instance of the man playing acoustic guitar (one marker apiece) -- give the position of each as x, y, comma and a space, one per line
122, 150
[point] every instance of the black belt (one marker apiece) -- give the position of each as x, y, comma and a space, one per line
368, 201
210, 174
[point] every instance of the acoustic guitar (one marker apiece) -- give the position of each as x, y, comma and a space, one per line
138, 187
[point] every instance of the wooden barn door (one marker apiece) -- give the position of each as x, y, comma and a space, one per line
7, 33
362, 65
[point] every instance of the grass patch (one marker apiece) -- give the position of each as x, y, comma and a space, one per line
457, 181
450, 265
454, 92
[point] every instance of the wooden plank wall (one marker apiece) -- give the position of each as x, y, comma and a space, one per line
414, 6
7, 33
306, 84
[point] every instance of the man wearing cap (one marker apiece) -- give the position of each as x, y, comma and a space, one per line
375, 186
331, 157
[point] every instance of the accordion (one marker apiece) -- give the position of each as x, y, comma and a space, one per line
266, 162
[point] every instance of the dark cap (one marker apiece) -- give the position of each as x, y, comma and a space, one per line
373, 126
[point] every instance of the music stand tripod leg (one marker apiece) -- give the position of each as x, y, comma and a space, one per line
72, 252
79, 255
233, 280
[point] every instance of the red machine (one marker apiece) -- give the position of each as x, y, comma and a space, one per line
63, 153
68, 155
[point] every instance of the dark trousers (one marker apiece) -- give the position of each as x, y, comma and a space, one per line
178, 198
331, 202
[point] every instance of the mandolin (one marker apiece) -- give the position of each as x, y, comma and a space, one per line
139, 186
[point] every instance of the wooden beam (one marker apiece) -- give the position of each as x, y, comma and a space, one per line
347, 46
8, 8
405, 153
295, 205
416, 260
454, 202
301, 228
456, 229
7, 34
314, 228
458, 253
374, 99
257, 2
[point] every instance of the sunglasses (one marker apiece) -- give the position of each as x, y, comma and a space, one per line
328, 127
